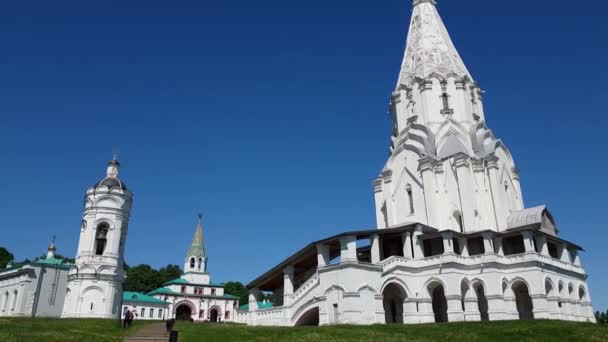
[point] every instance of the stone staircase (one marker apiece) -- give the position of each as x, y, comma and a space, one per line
155, 332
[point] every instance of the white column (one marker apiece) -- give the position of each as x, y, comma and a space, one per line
471, 308
464, 247
388, 190
498, 242
430, 189
348, 249
322, 255
492, 165
577, 258
528, 241
407, 245
287, 285
375, 252
565, 254
253, 299
487, 243
418, 247
455, 313
541, 242
448, 246
379, 199
466, 191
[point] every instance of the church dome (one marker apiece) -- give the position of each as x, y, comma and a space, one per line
111, 183
111, 180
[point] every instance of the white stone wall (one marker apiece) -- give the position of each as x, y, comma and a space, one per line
16, 294
356, 290
204, 304
151, 312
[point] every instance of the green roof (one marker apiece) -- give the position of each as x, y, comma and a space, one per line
177, 281
231, 296
261, 305
50, 261
128, 296
162, 290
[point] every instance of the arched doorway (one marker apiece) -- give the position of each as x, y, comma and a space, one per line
440, 303
310, 318
393, 297
183, 312
523, 301
482, 302
213, 315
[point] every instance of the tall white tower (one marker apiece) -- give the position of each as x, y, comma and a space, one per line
195, 265
95, 281
446, 168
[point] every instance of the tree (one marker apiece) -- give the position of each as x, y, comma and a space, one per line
5, 257
235, 288
144, 278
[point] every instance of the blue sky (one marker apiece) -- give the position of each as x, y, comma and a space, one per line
270, 118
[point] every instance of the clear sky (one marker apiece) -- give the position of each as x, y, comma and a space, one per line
270, 117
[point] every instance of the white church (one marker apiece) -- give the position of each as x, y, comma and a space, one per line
454, 241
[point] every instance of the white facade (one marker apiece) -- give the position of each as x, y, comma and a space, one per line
35, 289
193, 296
144, 307
95, 282
454, 241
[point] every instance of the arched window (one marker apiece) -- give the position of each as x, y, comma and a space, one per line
200, 264
192, 262
14, 300
5, 307
410, 198
101, 238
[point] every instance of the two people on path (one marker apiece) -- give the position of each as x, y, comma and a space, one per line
128, 319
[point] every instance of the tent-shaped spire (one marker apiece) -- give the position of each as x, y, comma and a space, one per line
429, 49
197, 248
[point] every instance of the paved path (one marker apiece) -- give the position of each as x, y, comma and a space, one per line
155, 332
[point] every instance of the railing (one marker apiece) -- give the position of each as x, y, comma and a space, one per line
304, 288
396, 261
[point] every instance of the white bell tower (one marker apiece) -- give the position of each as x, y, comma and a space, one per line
95, 281
195, 265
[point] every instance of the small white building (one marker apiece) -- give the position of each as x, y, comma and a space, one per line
34, 289
453, 241
193, 296
144, 307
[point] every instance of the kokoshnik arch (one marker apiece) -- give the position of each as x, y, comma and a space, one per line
454, 241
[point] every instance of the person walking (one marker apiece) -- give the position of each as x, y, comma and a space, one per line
125, 319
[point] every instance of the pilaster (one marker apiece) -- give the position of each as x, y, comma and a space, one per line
375, 252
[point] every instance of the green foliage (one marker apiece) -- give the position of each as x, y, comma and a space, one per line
505, 331
235, 288
5, 257
601, 317
144, 278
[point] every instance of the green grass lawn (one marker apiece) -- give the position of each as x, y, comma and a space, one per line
61, 330
85, 330
470, 332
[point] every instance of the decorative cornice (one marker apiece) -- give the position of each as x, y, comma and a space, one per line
378, 185
492, 162
426, 164
461, 160
477, 165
